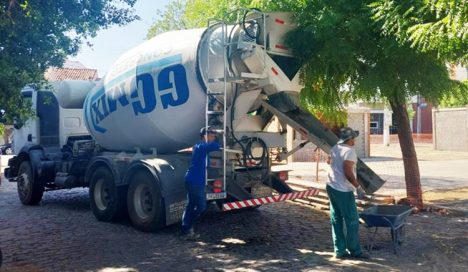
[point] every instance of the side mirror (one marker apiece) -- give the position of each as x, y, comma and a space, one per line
17, 123
2, 116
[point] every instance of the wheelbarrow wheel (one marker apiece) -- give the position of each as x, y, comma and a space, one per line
399, 235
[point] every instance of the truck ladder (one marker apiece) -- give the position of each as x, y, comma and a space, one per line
217, 171
215, 117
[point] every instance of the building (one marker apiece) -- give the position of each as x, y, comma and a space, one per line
71, 70
451, 124
422, 119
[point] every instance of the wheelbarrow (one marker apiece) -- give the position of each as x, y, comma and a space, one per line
386, 216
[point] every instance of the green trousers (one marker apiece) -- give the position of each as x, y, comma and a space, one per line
343, 207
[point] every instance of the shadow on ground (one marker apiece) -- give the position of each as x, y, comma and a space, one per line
62, 235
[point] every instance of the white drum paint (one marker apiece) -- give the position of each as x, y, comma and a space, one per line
153, 96
71, 93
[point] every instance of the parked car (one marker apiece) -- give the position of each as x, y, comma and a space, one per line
6, 149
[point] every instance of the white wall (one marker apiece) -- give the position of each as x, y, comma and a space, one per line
460, 73
450, 129
359, 119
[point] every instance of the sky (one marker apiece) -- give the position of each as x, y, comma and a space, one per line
111, 43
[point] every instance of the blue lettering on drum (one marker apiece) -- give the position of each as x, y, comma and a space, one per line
172, 89
171, 96
145, 84
119, 92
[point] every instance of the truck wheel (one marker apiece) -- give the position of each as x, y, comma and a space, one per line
107, 200
30, 191
144, 202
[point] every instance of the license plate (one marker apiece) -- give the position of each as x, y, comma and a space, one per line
211, 196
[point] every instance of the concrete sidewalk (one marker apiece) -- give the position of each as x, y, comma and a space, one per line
441, 171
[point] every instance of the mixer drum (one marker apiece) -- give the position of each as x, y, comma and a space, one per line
152, 97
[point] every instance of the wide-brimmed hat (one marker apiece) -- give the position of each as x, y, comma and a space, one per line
347, 133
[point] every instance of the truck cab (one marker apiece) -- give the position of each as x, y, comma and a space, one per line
43, 144
58, 118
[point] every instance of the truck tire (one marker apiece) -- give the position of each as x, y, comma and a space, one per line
145, 203
30, 191
107, 200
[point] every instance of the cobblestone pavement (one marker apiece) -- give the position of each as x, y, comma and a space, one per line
61, 234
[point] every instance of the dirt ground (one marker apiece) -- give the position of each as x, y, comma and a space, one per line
432, 242
61, 234
444, 174
436, 240
446, 198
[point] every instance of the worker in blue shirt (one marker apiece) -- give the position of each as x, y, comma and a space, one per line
195, 181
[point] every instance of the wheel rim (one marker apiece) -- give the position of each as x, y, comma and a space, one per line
8, 151
143, 201
102, 195
24, 184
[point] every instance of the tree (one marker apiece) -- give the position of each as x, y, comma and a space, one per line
35, 35
171, 18
428, 25
346, 57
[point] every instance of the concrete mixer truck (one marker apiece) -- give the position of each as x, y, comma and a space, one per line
128, 136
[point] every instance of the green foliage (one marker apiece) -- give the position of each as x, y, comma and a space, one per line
458, 98
185, 14
345, 58
35, 35
428, 25
171, 18
330, 115
411, 112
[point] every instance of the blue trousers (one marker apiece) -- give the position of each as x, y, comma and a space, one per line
343, 208
196, 205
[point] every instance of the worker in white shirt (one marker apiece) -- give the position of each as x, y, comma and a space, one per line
340, 189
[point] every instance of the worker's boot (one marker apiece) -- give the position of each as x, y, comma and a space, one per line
343, 257
191, 235
362, 255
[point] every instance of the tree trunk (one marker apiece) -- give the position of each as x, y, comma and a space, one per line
410, 160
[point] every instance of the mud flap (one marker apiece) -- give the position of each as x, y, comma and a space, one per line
280, 186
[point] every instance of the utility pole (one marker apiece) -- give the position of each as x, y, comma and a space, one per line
387, 122
418, 120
